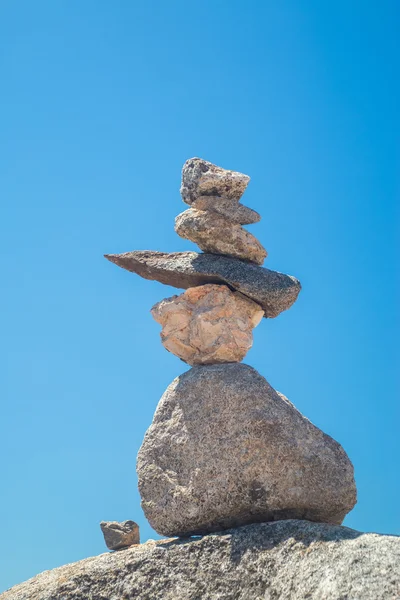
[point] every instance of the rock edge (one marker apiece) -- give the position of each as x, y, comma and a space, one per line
289, 560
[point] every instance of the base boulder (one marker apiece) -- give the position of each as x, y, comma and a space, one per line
289, 560
225, 449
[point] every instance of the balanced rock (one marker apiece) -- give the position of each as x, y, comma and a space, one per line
285, 560
232, 210
118, 535
202, 178
216, 234
274, 291
225, 449
208, 324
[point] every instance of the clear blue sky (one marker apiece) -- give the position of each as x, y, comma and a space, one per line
101, 104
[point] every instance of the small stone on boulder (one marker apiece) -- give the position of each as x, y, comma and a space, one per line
118, 535
202, 178
216, 234
208, 324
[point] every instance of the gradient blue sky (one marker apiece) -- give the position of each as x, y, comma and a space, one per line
101, 104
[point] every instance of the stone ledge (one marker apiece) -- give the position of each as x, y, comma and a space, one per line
289, 560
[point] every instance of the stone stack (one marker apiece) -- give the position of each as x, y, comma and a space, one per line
225, 449
214, 221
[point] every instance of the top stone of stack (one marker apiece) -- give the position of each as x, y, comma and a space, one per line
202, 178
210, 188
214, 220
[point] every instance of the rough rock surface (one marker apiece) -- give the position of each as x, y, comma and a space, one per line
119, 535
286, 560
216, 234
208, 324
275, 292
231, 209
225, 449
202, 178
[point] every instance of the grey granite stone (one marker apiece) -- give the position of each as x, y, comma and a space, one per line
286, 560
225, 449
274, 291
231, 209
202, 178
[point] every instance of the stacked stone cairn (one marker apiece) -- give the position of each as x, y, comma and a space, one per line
225, 449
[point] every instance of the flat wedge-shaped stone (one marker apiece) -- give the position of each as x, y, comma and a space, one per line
274, 291
202, 178
218, 235
232, 210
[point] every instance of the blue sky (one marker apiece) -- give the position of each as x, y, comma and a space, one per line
101, 104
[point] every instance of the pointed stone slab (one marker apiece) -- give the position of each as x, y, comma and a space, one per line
274, 291
119, 535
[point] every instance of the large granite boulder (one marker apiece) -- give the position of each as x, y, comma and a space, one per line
208, 324
225, 449
274, 291
286, 560
218, 235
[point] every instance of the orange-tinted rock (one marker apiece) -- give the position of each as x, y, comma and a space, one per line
208, 324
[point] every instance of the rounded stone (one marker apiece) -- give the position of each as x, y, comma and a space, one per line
218, 235
208, 324
225, 449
